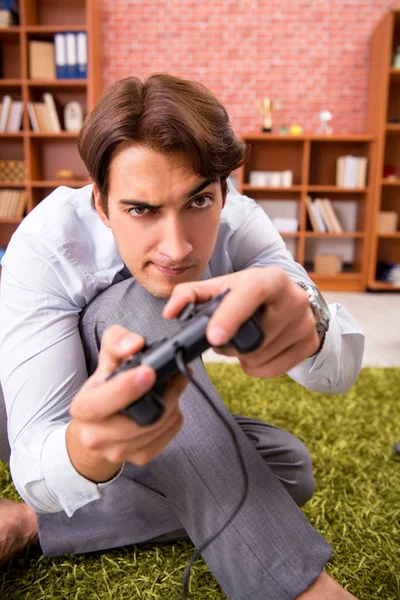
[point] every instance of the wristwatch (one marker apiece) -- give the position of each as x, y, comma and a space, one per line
318, 306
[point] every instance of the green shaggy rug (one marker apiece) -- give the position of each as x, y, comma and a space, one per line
356, 506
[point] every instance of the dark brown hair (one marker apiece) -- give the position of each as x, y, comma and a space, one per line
166, 114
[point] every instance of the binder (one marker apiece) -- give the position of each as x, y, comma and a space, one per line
81, 39
60, 55
71, 55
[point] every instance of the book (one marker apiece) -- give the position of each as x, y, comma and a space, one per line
60, 53
43, 117
21, 206
41, 60
53, 116
311, 215
32, 117
81, 44
15, 116
5, 112
318, 217
339, 171
332, 217
71, 56
321, 207
362, 175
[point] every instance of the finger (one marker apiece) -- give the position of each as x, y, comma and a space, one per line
145, 455
194, 291
120, 430
110, 397
117, 344
261, 285
279, 365
304, 332
271, 289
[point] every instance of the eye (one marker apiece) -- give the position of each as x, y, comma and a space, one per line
202, 201
138, 211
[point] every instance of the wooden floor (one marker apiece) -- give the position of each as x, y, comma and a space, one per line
377, 314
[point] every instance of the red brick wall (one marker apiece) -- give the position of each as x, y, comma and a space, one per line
311, 54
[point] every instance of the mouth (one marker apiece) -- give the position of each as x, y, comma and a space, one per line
170, 272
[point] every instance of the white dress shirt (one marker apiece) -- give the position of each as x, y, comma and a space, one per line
58, 260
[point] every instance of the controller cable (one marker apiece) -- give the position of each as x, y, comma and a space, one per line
184, 370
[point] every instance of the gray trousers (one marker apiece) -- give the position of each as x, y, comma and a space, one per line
268, 551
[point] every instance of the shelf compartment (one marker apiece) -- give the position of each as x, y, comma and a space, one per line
275, 154
10, 55
50, 155
392, 155
62, 97
351, 211
282, 208
50, 13
349, 248
13, 149
323, 158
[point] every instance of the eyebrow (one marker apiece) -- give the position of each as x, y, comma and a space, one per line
142, 204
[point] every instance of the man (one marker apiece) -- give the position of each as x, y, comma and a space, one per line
159, 154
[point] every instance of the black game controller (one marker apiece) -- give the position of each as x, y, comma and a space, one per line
192, 341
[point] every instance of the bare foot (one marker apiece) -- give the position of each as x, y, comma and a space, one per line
18, 528
326, 588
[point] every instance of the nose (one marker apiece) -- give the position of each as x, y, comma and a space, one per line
174, 242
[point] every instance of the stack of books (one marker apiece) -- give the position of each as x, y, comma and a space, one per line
43, 115
388, 272
12, 203
351, 171
65, 58
322, 216
11, 112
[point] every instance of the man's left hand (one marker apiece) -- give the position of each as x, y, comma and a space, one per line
287, 320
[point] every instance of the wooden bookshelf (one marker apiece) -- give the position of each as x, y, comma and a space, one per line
383, 112
45, 153
312, 160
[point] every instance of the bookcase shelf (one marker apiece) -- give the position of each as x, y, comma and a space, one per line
382, 120
45, 153
313, 161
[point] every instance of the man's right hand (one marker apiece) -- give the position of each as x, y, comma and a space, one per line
99, 438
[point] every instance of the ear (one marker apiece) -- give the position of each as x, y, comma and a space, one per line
99, 207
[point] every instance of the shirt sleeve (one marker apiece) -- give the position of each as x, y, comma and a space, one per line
335, 368
42, 366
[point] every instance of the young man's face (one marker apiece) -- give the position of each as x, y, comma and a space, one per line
163, 216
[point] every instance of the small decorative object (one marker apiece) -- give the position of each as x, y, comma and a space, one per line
73, 116
296, 130
389, 172
283, 130
396, 59
267, 106
65, 175
324, 129
12, 171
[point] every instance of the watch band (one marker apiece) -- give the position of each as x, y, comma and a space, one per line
318, 306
